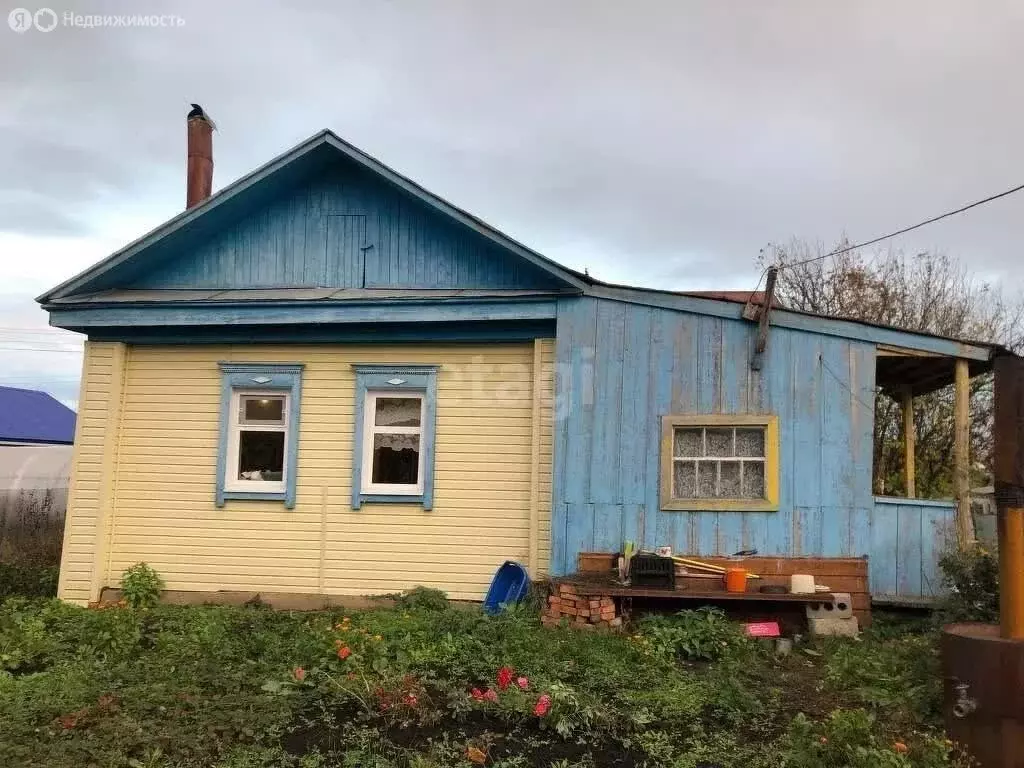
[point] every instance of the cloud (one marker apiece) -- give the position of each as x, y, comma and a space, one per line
658, 143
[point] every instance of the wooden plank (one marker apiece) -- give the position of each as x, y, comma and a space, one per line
961, 452
780, 384
909, 443
608, 534
938, 531
838, 464
579, 530
634, 458
786, 566
607, 415
664, 329
908, 550
585, 588
807, 458
884, 548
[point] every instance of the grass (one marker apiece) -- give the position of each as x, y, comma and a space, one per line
425, 685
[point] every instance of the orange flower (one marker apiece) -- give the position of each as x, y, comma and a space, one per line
900, 747
344, 652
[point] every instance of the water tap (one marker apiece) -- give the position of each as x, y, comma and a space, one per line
964, 704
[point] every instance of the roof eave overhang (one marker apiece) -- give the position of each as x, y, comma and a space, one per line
810, 323
198, 314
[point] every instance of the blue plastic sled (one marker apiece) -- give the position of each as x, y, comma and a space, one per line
510, 584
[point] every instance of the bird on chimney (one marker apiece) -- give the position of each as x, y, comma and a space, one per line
197, 111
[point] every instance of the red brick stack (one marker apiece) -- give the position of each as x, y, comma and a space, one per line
588, 612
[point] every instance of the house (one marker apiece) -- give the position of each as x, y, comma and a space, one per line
325, 380
36, 432
31, 417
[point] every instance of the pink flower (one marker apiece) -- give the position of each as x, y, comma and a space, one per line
299, 673
477, 694
491, 695
505, 675
523, 683
542, 706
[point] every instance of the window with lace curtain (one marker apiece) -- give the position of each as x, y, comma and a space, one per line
720, 461
394, 434
392, 443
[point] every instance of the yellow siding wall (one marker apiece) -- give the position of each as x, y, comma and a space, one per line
166, 448
87, 524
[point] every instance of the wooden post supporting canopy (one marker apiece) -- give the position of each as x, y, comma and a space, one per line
961, 453
1009, 492
909, 444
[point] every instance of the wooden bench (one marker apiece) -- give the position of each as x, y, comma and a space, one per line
840, 574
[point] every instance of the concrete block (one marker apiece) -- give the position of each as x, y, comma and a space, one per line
840, 607
831, 627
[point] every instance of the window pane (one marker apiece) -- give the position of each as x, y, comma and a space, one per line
396, 459
262, 409
684, 479
719, 442
261, 455
706, 479
750, 442
729, 480
753, 480
689, 442
398, 412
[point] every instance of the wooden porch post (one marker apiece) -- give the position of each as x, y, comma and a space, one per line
909, 444
1009, 488
961, 453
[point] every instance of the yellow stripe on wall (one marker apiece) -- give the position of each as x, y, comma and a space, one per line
492, 463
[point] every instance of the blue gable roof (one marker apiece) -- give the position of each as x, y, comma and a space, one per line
323, 214
30, 416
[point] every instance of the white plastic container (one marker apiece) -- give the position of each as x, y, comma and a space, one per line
801, 584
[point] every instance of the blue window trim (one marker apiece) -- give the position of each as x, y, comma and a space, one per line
397, 378
286, 377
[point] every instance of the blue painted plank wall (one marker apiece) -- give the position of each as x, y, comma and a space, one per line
908, 538
343, 229
622, 366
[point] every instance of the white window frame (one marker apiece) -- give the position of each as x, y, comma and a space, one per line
232, 482
370, 429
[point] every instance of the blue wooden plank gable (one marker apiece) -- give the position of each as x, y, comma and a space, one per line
346, 228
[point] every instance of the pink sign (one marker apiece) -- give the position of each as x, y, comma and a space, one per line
763, 629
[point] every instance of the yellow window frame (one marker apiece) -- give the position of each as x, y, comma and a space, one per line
770, 423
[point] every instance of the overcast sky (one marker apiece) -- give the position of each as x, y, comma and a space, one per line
658, 143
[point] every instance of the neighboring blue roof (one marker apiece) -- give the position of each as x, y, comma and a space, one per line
30, 416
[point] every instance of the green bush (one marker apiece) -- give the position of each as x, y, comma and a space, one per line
971, 578
141, 586
422, 599
704, 634
900, 672
850, 738
27, 581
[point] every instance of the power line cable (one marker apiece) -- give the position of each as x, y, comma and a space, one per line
39, 349
903, 231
